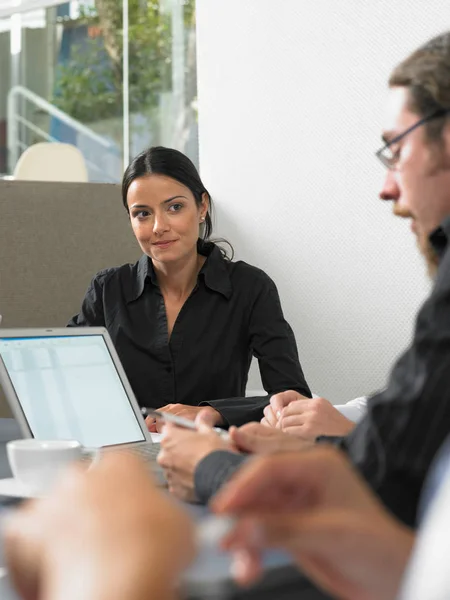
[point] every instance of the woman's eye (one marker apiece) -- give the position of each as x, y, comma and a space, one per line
175, 207
142, 214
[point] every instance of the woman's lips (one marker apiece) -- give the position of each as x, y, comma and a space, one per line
164, 244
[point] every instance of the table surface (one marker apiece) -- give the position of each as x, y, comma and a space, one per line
282, 582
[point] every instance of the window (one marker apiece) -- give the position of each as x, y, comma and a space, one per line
71, 74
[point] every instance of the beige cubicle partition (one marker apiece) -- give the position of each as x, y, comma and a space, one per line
53, 238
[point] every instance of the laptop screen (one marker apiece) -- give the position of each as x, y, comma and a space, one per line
69, 388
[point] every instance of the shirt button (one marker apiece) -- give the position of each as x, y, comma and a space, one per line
169, 369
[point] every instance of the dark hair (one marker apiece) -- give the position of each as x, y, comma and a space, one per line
170, 163
426, 74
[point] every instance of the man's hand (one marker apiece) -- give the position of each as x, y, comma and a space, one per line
255, 438
182, 450
311, 417
209, 414
272, 411
103, 533
316, 507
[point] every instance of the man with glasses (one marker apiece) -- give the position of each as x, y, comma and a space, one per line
404, 184
394, 445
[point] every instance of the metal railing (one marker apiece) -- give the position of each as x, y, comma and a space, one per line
17, 121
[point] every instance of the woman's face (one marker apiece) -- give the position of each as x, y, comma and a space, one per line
165, 217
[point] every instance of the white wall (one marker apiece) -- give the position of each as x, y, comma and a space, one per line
290, 106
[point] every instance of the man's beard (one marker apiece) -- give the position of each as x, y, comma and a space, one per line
431, 258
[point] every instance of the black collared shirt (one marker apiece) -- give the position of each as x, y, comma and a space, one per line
233, 313
395, 444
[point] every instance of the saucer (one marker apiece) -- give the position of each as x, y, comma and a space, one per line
12, 487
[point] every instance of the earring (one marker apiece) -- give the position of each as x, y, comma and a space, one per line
202, 219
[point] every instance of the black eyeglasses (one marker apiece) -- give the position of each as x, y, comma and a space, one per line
389, 158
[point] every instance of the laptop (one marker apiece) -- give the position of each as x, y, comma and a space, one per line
69, 383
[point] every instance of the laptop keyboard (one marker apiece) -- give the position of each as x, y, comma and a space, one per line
145, 451
148, 453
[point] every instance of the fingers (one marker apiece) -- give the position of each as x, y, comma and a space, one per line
163, 459
174, 435
293, 421
151, 424
96, 518
35, 531
306, 427
298, 407
245, 543
169, 407
343, 551
278, 404
279, 401
169, 441
245, 441
179, 486
315, 417
246, 566
299, 432
283, 399
314, 540
324, 535
271, 415
205, 419
175, 409
111, 467
246, 438
300, 426
159, 426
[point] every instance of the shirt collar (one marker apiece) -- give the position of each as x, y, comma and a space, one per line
439, 238
214, 272
143, 272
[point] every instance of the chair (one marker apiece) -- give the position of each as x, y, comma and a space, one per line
72, 231
51, 161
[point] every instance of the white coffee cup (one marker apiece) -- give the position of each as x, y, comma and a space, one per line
37, 464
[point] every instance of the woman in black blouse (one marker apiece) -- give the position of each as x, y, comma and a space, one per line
185, 319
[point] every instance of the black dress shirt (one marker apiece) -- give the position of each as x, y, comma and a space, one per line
233, 313
394, 445
405, 425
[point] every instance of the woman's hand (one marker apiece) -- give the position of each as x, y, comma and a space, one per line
209, 414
